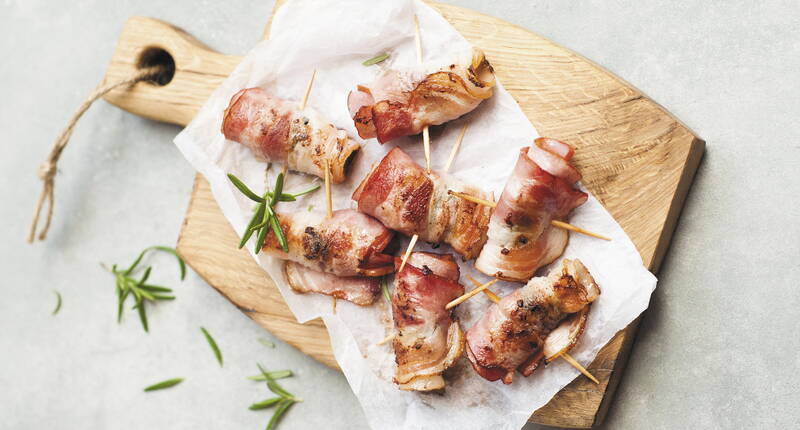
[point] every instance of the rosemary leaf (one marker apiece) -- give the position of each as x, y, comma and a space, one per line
277, 389
264, 404
243, 188
308, 191
58, 302
164, 384
278, 190
159, 248
266, 342
213, 345
133, 265
145, 275
146, 295
122, 296
278, 374
276, 228
264, 373
286, 198
259, 213
142, 315
163, 297
172, 251
262, 233
155, 288
283, 406
377, 59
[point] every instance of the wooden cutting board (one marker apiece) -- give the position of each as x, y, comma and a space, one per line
635, 157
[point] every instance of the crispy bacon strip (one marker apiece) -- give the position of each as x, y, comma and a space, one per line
540, 189
361, 290
349, 243
277, 130
402, 103
514, 334
400, 194
429, 339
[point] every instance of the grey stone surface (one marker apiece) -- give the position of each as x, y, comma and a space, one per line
718, 347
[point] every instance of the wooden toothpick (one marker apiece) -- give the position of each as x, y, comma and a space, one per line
308, 90
426, 136
387, 339
426, 145
492, 296
455, 148
554, 223
334, 304
567, 226
328, 201
473, 199
469, 295
408, 252
568, 358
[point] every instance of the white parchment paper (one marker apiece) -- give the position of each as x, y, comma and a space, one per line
335, 38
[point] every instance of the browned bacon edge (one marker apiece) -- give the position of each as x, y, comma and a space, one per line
361, 290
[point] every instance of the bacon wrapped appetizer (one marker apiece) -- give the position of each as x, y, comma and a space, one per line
541, 320
277, 130
402, 103
400, 194
361, 290
429, 339
540, 189
349, 243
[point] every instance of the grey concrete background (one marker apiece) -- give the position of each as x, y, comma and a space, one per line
718, 347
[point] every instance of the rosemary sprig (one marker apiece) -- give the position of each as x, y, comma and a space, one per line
58, 302
213, 344
277, 374
284, 401
141, 291
376, 59
164, 384
264, 219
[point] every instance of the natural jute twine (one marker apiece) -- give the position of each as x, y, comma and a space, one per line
48, 169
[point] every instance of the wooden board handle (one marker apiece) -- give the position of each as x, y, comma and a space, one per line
198, 71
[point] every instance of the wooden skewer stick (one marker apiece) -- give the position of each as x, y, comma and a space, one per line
334, 304
426, 144
567, 226
328, 200
554, 223
308, 90
408, 252
568, 358
455, 148
468, 295
492, 296
426, 136
387, 339
473, 199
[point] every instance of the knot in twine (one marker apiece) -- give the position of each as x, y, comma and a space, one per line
48, 169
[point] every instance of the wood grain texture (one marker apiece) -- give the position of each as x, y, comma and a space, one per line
635, 157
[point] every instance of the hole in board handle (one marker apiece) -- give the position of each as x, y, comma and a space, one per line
154, 56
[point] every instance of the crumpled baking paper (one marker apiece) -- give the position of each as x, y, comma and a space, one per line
334, 38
